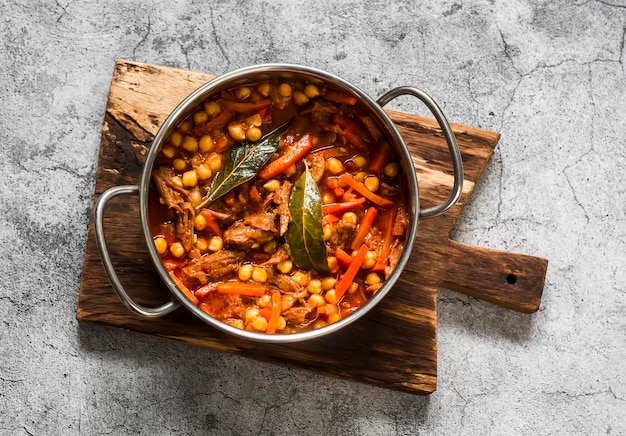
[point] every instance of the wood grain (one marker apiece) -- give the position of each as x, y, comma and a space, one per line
394, 346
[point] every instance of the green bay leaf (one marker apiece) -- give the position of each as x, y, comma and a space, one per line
305, 235
243, 163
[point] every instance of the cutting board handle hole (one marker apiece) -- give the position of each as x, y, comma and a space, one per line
511, 279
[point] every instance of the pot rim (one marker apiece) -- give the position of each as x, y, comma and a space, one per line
248, 75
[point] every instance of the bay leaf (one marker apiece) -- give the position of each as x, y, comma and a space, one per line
305, 235
243, 163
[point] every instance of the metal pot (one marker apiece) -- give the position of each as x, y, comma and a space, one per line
256, 74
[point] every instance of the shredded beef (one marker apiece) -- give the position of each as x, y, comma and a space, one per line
213, 266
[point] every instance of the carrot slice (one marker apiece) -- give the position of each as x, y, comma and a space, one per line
362, 189
342, 207
364, 227
292, 154
380, 158
184, 289
272, 323
346, 280
240, 288
386, 224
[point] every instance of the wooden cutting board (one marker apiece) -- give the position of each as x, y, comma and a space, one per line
393, 346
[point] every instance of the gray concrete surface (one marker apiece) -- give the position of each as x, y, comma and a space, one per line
548, 75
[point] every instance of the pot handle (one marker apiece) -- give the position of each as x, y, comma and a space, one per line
455, 153
148, 312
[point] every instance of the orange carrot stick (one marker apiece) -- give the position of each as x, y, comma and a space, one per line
342, 207
386, 223
362, 189
245, 107
240, 288
380, 158
364, 228
277, 304
184, 289
347, 279
291, 155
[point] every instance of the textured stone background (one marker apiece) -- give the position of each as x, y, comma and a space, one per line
548, 75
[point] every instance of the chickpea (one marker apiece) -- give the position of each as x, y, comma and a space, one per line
237, 132
199, 222
251, 313
190, 144
176, 139
353, 288
255, 120
300, 278
168, 151
179, 164
245, 272
271, 185
284, 90
270, 246
264, 301
391, 169
349, 217
371, 183
315, 286
327, 197
204, 172
185, 126
334, 165
300, 98
372, 278
177, 181
161, 245
316, 300
177, 249
328, 232
237, 323
263, 88
200, 117
331, 296
212, 108
282, 323
253, 134
287, 303
328, 283
242, 92
333, 317
215, 162
369, 261
190, 179
216, 243
259, 324
360, 176
284, 266
333, 264
259, 274
206, 144
195, 197
319, 324
360, 161
202, 244
311, 90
